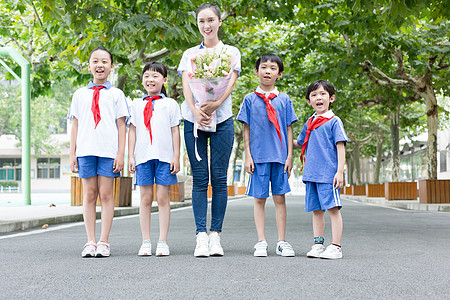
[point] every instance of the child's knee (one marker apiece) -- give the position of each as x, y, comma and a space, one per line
279, 199
260, 201
318, 212
90, 195
335, 211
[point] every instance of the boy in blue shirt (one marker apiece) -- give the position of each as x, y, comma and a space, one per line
267, 116
322, 141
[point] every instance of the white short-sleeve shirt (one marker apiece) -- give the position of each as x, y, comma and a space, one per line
166, 114
102, 141
224, 112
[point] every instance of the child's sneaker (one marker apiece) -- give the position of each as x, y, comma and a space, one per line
89, 249
146, 248
284, 249
201, 249
162, 249
102, 250
315, 251
260, 249
332, 252
215, 249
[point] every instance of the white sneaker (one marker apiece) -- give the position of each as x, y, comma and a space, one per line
201, 249
260, 249
89, 249
103, 250
332, 252
146, 248
215, 249
162, 249
284, 249
315, 251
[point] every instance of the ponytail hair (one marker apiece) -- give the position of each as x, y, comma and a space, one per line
157, 67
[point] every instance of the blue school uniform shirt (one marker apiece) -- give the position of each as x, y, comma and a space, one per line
321, 160
265, 145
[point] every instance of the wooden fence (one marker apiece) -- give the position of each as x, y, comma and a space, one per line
358, 190
400, 190
375, 190
434, 191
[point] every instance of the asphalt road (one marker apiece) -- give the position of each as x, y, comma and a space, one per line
388, 254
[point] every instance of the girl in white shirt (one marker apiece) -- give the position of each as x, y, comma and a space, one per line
97, 146
154, 150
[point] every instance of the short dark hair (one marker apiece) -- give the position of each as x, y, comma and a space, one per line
214, 7
271, 57
157, 67
327, 86
101, 48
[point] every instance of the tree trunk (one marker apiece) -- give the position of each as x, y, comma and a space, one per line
121, 81
356, 162
350, 170
380, 140
433, 123
172, 83
395, 145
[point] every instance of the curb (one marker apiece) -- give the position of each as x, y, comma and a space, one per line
401, 204
20, 225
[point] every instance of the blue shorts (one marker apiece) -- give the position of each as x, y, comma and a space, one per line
258, 185
321, 196
154, 171
90, 166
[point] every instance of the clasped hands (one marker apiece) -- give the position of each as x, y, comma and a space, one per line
203, 112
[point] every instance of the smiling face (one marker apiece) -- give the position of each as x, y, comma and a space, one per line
208, 24
153, 82
320, 100
100, 65
268, 73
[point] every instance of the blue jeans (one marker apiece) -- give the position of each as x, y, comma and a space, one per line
221, 143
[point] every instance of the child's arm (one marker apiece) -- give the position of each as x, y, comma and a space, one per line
175, 163
296, 145
131, 146
122, 129
73, 146
288, 163
249, 165
211, 106
338, 181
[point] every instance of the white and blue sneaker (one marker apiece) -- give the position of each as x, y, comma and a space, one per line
285, 249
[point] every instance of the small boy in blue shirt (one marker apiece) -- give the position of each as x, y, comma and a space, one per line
322, 141
267, 116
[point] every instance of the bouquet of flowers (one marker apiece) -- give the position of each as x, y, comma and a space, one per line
208, 78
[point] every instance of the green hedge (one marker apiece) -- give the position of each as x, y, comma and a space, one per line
9, 183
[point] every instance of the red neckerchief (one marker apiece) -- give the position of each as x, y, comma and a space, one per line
148, 113
271, 113
95, 108
311, 125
